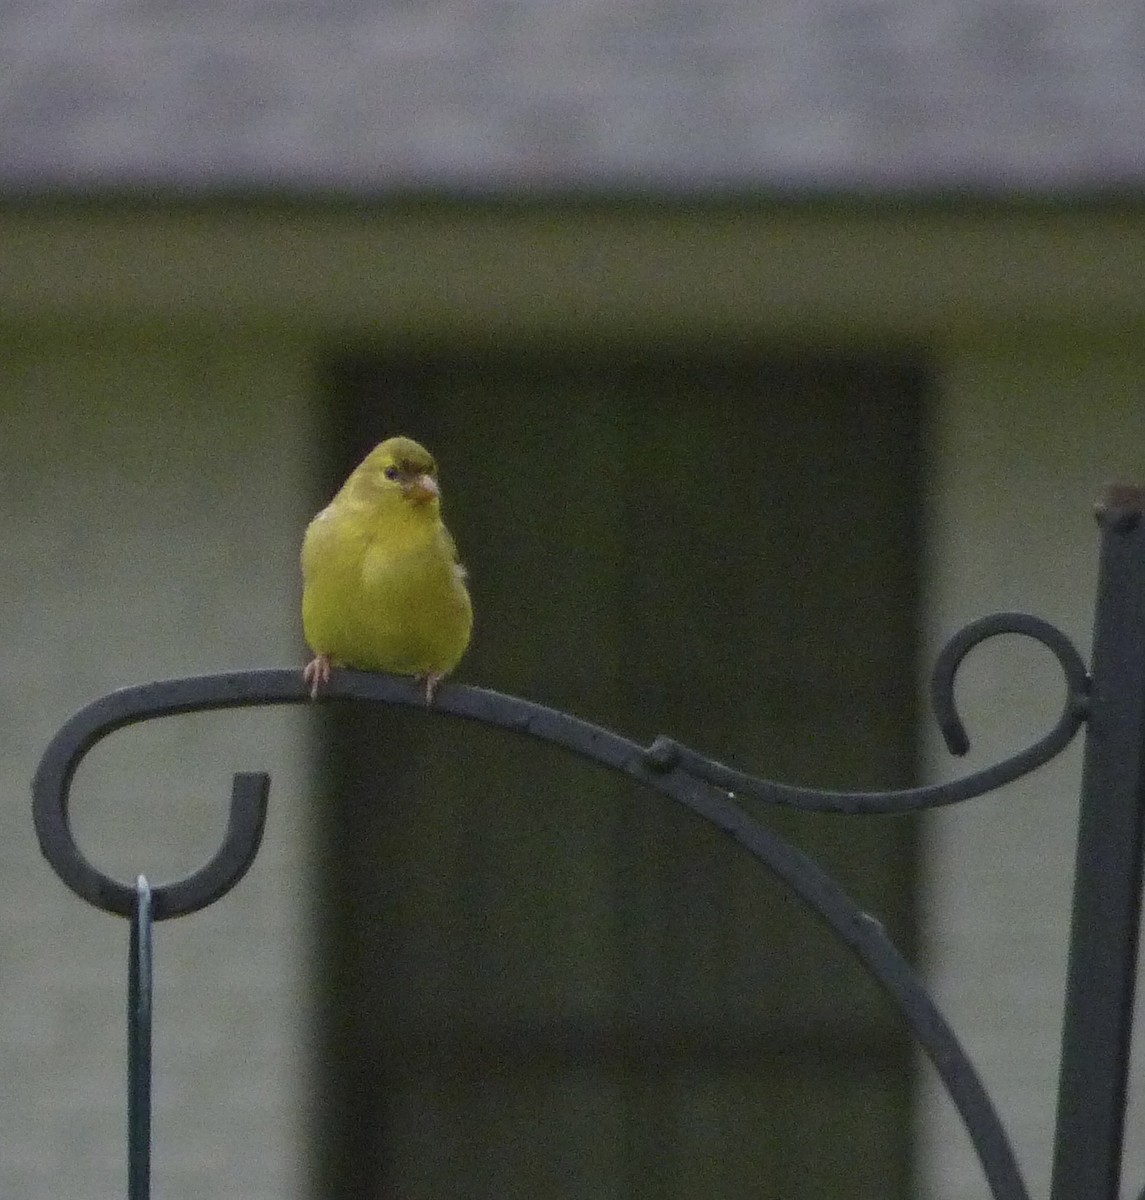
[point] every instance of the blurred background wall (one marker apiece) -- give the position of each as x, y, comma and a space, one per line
144, 546
762, 348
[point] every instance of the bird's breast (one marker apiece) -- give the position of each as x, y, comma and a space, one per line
385, 598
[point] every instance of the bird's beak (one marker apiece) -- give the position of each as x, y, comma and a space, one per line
422, 489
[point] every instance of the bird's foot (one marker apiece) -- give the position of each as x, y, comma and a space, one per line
431, 682
317, 674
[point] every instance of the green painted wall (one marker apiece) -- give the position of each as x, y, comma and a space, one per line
153, 496
1023, 449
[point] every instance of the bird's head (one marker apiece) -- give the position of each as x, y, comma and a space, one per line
398, 471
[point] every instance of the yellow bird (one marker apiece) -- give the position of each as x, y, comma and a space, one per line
382, 589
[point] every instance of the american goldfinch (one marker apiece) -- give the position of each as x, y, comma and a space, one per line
381, 585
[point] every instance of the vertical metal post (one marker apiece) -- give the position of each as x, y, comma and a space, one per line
1107, 884
139, 1046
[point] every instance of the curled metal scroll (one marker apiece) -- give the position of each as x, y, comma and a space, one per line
701, 785
665, 753
53, 779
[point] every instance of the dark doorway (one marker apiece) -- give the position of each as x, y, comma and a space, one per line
539, 981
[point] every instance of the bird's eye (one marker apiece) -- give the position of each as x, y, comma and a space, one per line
391, 472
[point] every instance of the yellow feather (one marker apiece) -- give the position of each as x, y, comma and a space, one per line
382, 587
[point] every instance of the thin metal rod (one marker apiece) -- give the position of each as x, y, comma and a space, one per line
139, 1046
1107, 883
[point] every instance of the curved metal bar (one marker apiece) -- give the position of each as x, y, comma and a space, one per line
665, 753
52, 783
861, 932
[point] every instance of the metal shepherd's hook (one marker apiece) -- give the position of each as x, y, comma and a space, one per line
141, 903
708, 788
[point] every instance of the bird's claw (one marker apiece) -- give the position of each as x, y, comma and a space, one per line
431, 682
316, 673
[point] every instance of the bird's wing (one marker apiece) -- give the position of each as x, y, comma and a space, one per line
458, 569
320, 534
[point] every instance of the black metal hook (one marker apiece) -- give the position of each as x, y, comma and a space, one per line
703, 786
665, 754
52, 784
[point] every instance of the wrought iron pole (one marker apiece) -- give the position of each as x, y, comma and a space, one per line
1107, 883
139, 990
